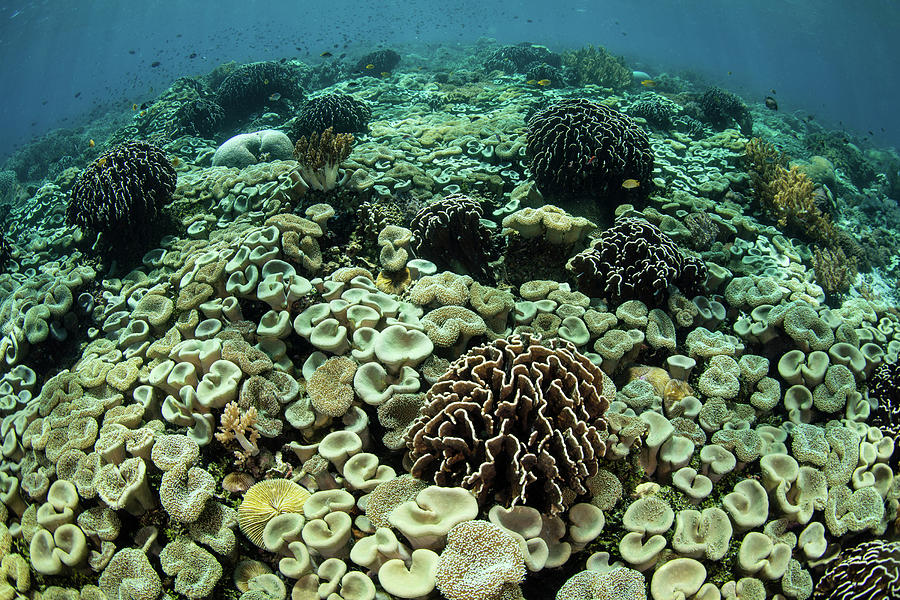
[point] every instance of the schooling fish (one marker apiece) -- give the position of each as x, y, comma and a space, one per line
770, 103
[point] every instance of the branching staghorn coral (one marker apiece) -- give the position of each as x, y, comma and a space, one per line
320, 155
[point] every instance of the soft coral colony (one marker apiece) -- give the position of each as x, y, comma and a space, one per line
366, 350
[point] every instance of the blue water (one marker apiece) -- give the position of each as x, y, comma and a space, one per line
63, 61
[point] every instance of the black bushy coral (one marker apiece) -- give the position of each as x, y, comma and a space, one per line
343, 113
123, 191
5, 251
248, 87
579, 148
634, 260
722, 109
450, 233
519, 58
382, 61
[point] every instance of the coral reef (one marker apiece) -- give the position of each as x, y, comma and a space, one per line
578, 147
247, 88
449, 233
634, 260
867, 570
123, 191
721, 109
343, 113
517, 422
321, 155
381, 61
597, 66
520, 58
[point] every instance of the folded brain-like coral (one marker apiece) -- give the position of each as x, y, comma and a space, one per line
517, 422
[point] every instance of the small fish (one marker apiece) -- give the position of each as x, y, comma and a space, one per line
773, 91
265, 82
370, 66
91, 143
343, 54
134, 106
648, 83
729, 72
630, 184
193, 55
771, 104
531, 82
155, 63
385, 74
145, 105
543, 82
326, 54
101, 162
143, 112
176, 161
131, 52
275, 97
77, 94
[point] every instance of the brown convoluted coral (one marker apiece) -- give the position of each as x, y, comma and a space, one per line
320, 155
867, 571
517, 422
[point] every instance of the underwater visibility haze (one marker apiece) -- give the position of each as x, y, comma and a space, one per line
449, 300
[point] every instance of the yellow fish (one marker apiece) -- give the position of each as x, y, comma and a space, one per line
531, 82
265, 82
630, 184
385, 74
370, 66
176, 161
134, 107
543, 82
91, 143
102, 162
648, 83
143, 112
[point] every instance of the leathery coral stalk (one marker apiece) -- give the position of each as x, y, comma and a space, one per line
320, 156
237, 426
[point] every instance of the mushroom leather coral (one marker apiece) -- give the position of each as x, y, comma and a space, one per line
516, 421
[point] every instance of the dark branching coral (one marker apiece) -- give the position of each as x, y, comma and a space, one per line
343, 113
517, 422
201, 117
320, 155
867, 571
884, 387
449, 232
722, 108
381, 61
248, 87
519, 58
653, 108
578, 147
123, 191
5, 251
634, 260
544, 72
598, 66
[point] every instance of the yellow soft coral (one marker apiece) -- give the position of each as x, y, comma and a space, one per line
240, 427
788, 195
